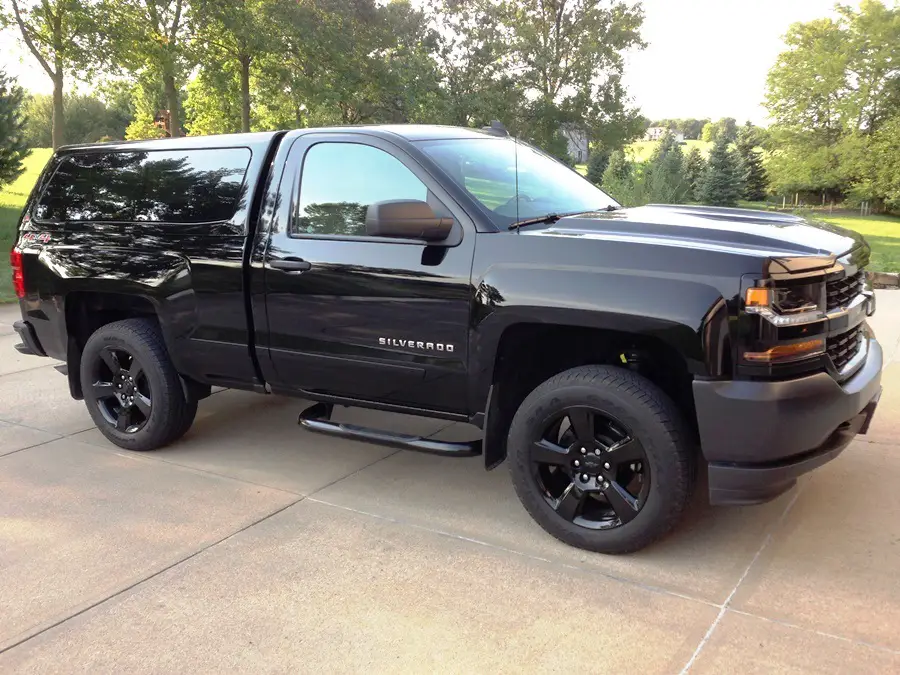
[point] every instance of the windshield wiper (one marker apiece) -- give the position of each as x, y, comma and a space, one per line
548, 218
553, 217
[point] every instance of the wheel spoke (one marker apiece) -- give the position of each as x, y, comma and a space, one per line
123, 419
625, 506
627, 450
111, 359
135, 371
547, 452
582, 421
103, 390
569, 503
143, 403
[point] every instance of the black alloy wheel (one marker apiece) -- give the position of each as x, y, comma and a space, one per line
601, 459
131, 388
590, 468
121, 389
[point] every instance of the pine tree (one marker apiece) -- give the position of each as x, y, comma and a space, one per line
664, 181
12, 129
618, 179
693, 168
596, 166
756, 181
723, 179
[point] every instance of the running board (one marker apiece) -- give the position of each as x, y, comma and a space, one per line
318, 419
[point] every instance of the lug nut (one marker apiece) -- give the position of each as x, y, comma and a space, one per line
605, 465
605, 485
584, 451
596, 451
577, 463
584, 478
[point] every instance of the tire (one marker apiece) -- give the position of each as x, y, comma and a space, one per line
631, 421
129, 359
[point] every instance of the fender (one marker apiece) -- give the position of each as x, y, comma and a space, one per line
669, 308
162, 278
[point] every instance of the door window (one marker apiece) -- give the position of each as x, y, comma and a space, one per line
341, 180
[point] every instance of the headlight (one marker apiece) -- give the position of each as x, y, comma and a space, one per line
787, 305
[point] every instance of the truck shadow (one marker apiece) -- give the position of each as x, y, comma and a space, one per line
257, 439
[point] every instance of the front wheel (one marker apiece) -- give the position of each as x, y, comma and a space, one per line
600, 459
131, 388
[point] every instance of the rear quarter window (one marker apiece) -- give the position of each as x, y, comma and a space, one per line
165, 186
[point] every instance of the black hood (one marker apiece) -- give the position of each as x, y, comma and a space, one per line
746, 230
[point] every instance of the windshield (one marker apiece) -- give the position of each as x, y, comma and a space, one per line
486, 168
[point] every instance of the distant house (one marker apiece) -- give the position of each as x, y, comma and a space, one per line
576, 142
655, 133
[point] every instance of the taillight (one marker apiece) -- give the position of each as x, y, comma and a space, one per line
18, 275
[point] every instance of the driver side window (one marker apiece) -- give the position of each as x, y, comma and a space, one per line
340, 180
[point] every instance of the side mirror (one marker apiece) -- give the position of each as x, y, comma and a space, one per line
406, 218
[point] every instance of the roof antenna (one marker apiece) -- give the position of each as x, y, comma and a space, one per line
516, 160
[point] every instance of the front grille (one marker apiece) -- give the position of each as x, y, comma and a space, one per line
841, 348
840, 292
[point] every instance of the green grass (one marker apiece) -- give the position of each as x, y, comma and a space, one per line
882, 233
640, 151
12, 199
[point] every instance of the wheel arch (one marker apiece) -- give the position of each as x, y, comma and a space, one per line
87, 311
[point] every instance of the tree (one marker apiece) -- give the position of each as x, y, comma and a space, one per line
232, 35
621, 181
88, 119
148, 37
756, 183
692, 170
723, 181
830, 93
58, 34
597, 164
12, 129
146, 99
663, 177
561, 62
727, 126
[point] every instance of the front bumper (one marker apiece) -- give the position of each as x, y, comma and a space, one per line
758, 437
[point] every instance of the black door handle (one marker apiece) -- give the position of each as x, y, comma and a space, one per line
290, 265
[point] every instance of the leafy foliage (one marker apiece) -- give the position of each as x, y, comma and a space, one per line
832, 93
88, 118
712, 131
690, 128
62, 37
212, 66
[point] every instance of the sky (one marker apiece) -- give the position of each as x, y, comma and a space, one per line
705, 58
709, 58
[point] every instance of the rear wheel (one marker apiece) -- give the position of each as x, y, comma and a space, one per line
131, 388
599, 458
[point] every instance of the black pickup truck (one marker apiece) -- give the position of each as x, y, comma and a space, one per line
610, 354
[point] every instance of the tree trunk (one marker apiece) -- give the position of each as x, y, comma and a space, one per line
171, 92
59, 120
245, 93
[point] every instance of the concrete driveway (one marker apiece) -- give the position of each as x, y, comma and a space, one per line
252, 546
